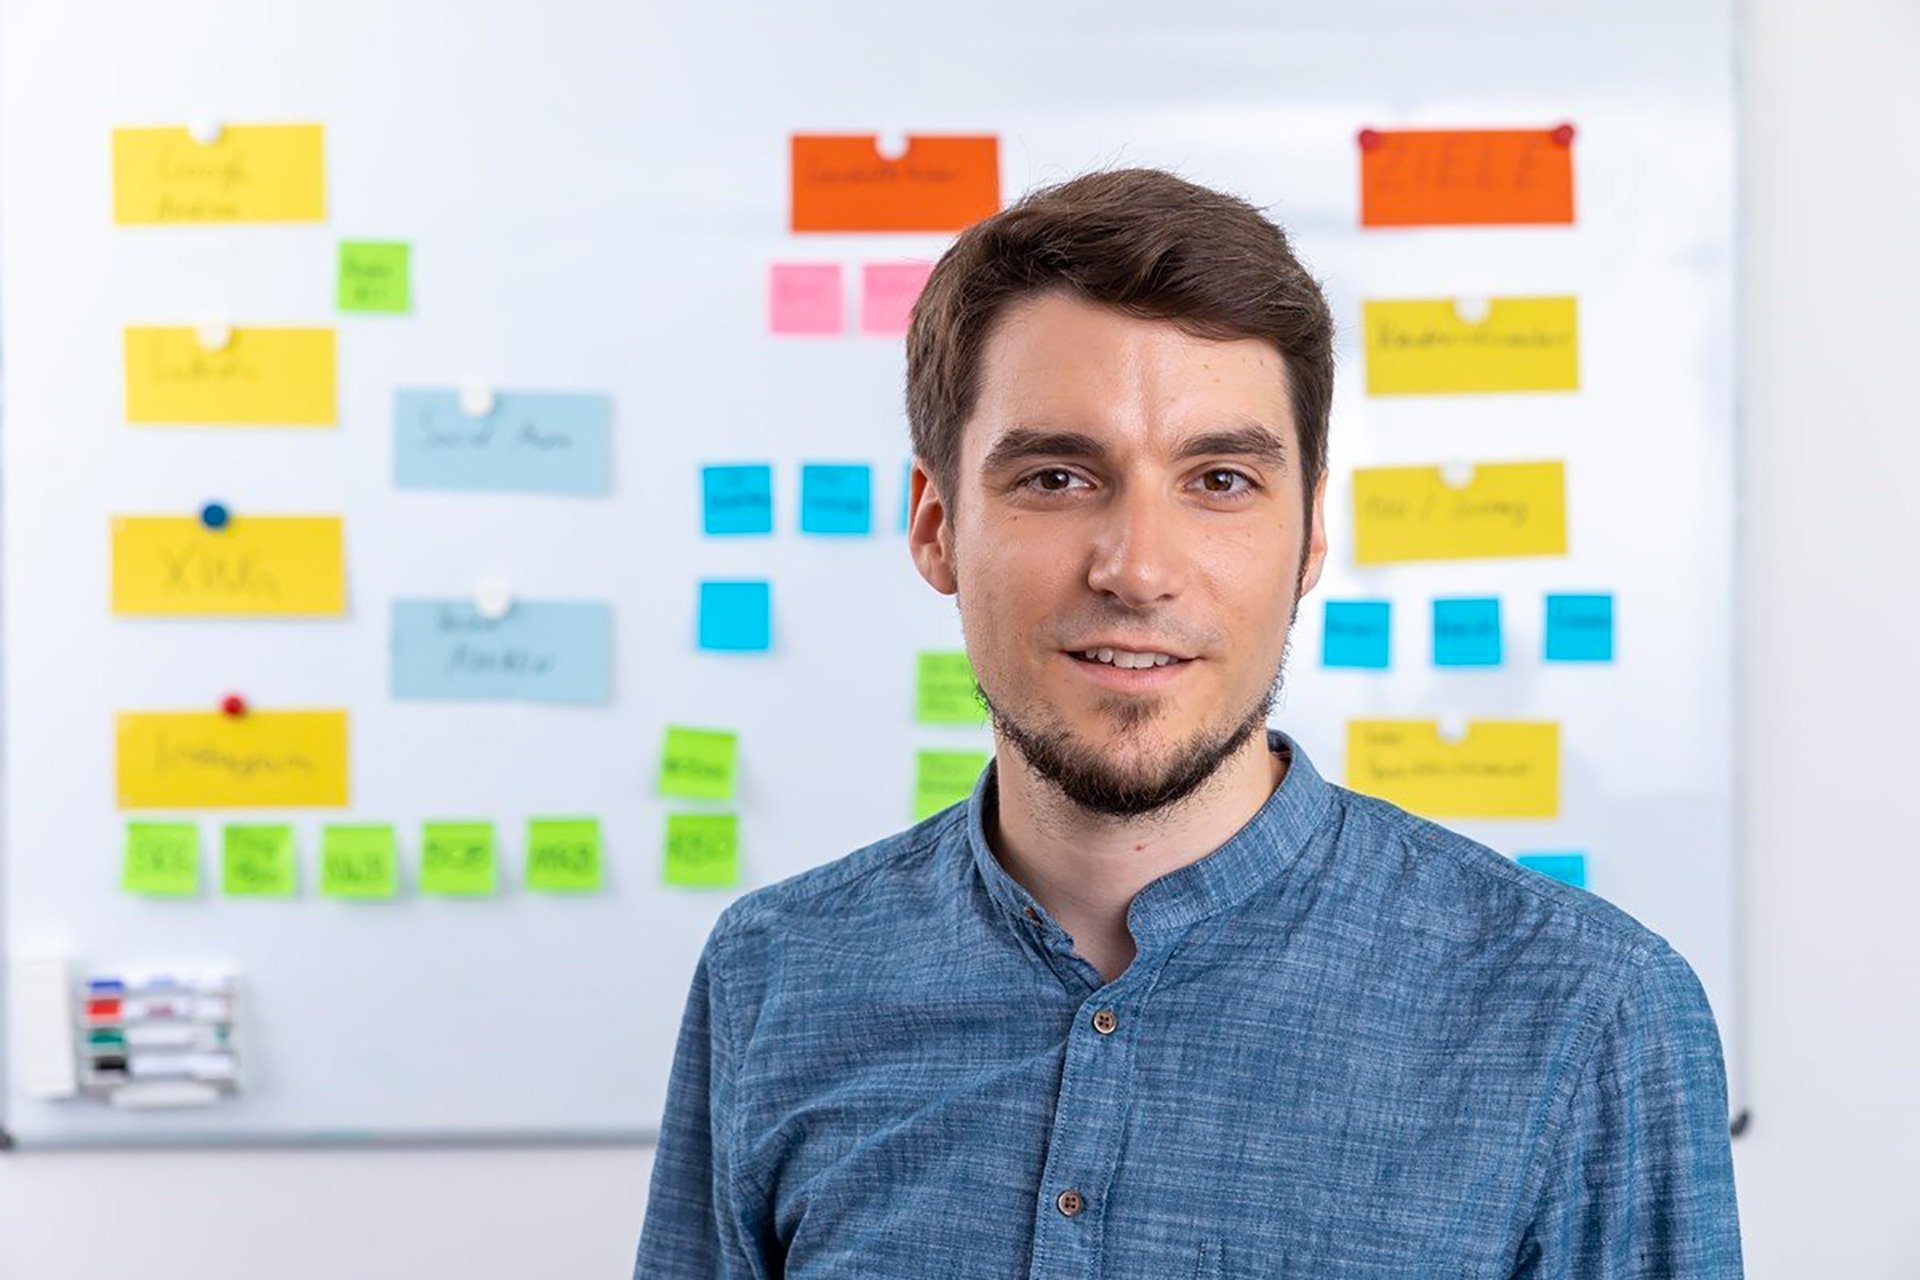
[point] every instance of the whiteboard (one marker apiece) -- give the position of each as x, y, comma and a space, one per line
594, 193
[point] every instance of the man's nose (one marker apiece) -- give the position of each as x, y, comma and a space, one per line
1137, 552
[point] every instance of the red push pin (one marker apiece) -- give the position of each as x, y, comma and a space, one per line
1369, 139
234, 705
1563, 135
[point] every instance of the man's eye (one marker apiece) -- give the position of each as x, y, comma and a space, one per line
1231, 475
1050, 473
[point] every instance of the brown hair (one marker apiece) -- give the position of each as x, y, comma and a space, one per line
1145, 242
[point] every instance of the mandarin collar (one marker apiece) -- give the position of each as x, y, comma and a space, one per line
1260, 850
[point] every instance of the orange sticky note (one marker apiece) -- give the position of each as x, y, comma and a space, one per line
888, 291
804, 297
945, 182
1461, 177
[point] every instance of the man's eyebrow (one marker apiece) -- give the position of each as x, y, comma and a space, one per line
1248, 440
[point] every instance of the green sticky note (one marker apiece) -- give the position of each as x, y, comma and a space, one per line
162, 859
373, 276
257, 861
943, 777
563, 855
457, 859
697, 764
945, 690
359, 862
703, 850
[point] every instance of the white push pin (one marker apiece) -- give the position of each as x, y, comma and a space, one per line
890, 145
214, 335
1456, 475
493, 599
1452, 729
1473, 310
206, 130
477, 400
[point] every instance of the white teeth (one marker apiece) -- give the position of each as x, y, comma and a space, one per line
1128, 661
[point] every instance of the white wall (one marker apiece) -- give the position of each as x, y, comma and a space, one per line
1827, 1171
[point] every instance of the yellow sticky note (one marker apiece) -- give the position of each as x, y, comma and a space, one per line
207, 760
1440, 346
251, 565
258, 376
1502, 509
249, 173
1498, 768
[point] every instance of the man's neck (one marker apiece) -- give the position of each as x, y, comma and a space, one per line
1085, 868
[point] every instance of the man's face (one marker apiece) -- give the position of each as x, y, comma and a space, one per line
1119, 488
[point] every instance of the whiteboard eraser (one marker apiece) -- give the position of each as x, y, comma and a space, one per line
42, 1015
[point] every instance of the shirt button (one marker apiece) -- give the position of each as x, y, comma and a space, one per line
1104, 1022
1033, 915
1069, 1202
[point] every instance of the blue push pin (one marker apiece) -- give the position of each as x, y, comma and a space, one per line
214, 515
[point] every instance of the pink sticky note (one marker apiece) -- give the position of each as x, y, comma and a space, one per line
804, 297
887, 293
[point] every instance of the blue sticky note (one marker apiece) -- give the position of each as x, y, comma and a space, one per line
1568, 867
539, 651
1357, 633
1580, 628
738, 499
736, 615
1466, 632
530, 442
906, 491
836, 499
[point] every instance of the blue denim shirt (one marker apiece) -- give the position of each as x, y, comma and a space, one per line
1351, 1043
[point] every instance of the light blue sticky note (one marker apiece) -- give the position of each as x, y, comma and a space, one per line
906, 492
736, 615
835, 498
1569, 867
530, 441
1466, 632
1580, 628
540, 651
1357, 633
738, 499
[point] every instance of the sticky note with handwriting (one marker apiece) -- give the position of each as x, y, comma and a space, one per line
359, 861
888, 291
1463, 177
260, 376
161, 859
737, 498
1580, 627
703, 850
1357, 633
736, 616
1443, 346
942, 182
540, 651
527, 442
207, 760
944, 689
563, 855
179, 566
805, 298
1568, 868
374, 277
1498, 769
1501, 509
698, 764
836, 498
457, 859
257, 860
249, 173
1466, 632
942, 778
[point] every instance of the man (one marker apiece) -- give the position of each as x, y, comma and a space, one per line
1158, 1001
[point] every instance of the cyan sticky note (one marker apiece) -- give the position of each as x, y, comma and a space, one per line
906, 492
736, 615
1357, 633
527, 441
1580, 628
540, 651
1569, 867
1466, 632
836, 498
737, 498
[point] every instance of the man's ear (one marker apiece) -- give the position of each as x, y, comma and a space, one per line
1317, 537
929, 532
